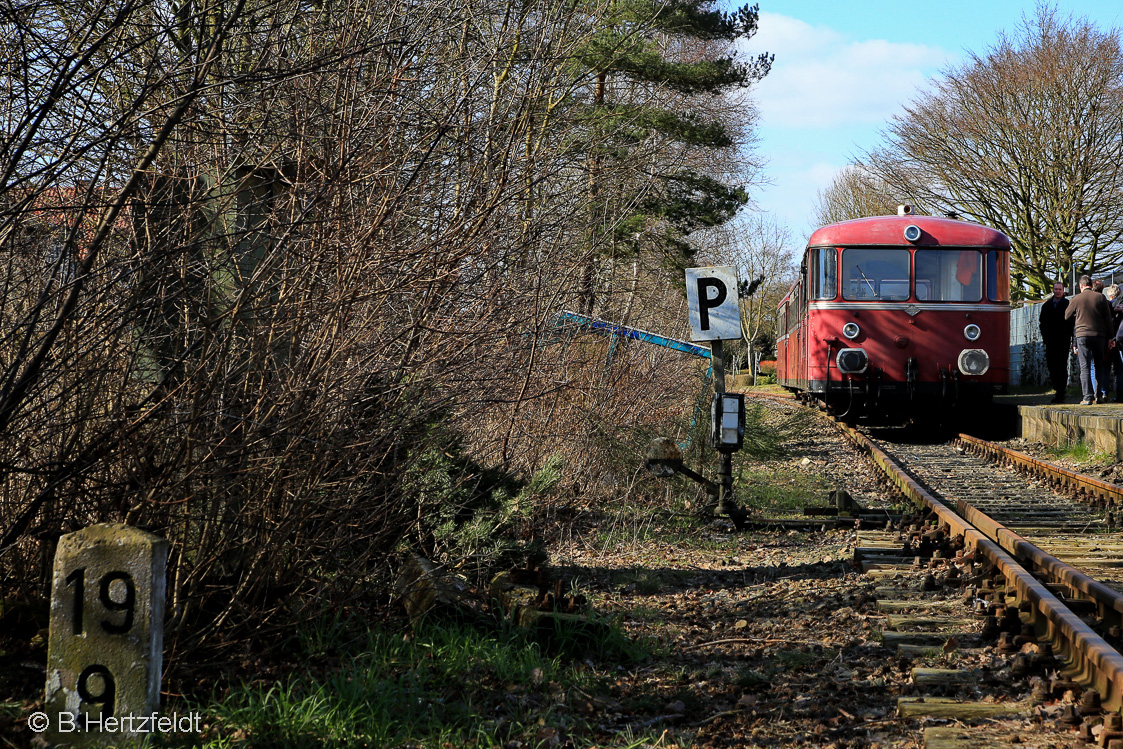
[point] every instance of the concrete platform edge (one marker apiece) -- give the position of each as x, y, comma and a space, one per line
1101, 428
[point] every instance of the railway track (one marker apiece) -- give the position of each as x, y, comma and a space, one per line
1010, 552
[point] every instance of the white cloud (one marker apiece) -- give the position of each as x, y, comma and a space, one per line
792, 197
820, 175
821, 78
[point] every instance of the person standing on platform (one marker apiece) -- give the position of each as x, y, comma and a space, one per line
1056, 332
1101, 368
1114, 368
1090, 313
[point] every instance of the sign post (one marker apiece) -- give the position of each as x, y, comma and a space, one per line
715, 315
105, 649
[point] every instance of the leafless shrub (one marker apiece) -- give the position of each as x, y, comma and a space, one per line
259, 258
855, 193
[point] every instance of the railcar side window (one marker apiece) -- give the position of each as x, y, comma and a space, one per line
822, 273
998, 276
949, 275
879, 275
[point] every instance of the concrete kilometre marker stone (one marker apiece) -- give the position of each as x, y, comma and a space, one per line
105, 650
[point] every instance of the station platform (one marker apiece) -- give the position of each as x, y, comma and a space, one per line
1100, 427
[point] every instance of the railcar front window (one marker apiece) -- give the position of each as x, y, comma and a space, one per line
875, 275
949, 275
823, 273
998, 276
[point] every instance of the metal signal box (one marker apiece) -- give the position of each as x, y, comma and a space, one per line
727, 419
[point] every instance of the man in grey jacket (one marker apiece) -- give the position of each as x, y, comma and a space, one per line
1091, 314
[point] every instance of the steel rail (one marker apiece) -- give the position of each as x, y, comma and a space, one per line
1086, 485
1107, 599
1094, 661
1056, 569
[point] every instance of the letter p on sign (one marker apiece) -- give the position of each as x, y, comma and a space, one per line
715, 310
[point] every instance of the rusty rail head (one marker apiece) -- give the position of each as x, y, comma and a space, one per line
1095, 660
1054, 568
1089, 484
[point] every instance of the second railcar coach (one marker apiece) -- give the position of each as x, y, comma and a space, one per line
897, 315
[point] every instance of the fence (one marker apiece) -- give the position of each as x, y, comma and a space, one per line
1027, 352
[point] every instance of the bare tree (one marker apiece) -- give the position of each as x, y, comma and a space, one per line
760, 248
281, 283
1027, 138
854, 193
249, 268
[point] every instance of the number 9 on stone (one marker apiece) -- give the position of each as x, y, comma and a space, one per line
104, 655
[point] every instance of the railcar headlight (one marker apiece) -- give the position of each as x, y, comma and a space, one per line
972, 332
852, 360
851, 330
974, 361
912, 232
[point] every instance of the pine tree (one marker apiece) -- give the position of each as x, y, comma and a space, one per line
654, 66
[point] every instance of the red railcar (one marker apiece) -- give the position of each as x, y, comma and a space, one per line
898, 314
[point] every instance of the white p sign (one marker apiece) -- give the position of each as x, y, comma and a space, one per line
715, 311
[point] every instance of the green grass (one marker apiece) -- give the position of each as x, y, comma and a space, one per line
779, 491
628, 526
443, 685
767, 387
644, 582
1079, 452
749, 678
633, 527
645, 613
793, 660
1030, 390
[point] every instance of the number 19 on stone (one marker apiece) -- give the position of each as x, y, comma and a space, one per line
106, 635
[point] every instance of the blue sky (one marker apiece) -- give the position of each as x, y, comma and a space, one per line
843, 69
